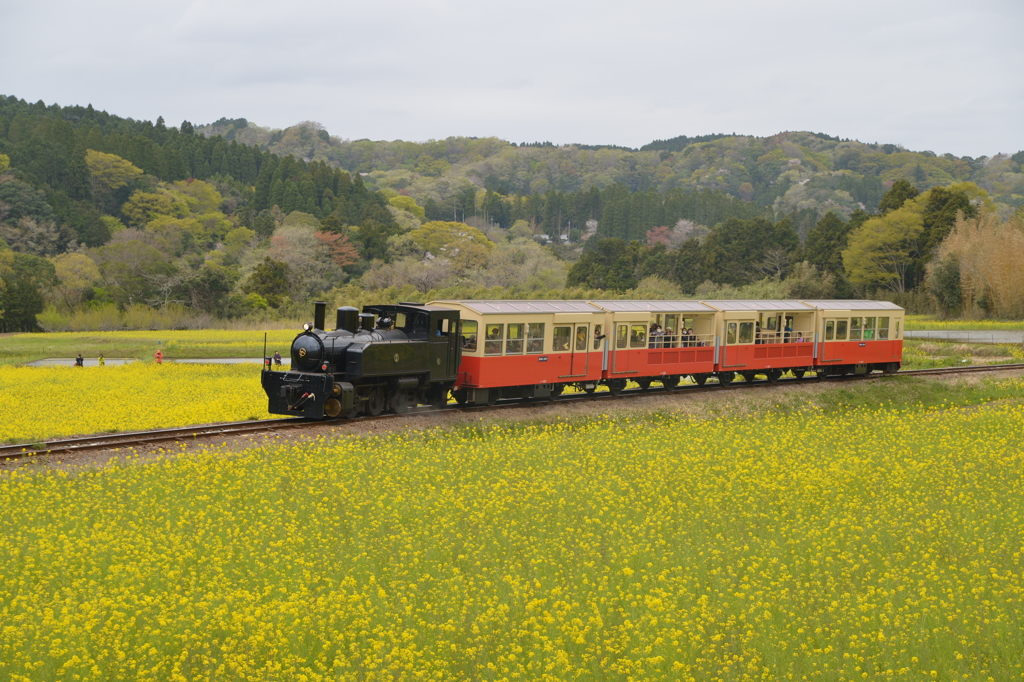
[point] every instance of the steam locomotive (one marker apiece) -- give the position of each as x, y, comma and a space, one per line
393, 357
389, 357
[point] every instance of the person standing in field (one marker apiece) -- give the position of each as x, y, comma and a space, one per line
79, 361
159, 355
100, 361
277, 360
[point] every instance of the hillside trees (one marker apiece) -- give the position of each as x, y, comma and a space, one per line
23, 279
980, 266
166, 215
881, 252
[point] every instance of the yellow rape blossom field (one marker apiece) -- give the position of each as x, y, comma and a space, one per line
41, 403
880, 543
929, 322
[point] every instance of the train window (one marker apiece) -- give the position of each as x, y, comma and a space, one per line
597, 337
638, 336
467, 330
883, 328
869, 328
855, 328
535, 337
841, 330
514, 339
897, 334
671, 329
830, 330
560, 340
621, 335
730, 333
492, 343
581, 337
746, 332
400, 320
442, 327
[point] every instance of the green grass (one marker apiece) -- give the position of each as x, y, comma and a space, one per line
204, 343
931, 353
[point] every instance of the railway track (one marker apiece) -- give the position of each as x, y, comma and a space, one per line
132, 439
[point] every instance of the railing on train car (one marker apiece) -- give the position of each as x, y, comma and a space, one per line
680, 340
783, 337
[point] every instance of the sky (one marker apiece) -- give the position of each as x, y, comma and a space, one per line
938, 75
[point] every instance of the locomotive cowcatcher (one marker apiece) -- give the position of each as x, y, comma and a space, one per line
389, 357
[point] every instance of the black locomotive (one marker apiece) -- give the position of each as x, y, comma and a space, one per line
389, 357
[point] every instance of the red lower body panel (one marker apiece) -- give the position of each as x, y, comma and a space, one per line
860, 352
527, 370
657, 362
765, 356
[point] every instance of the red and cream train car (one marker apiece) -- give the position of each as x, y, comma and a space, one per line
533, 349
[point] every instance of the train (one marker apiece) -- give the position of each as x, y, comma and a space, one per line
396, 356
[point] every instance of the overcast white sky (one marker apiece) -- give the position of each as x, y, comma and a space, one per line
939, 75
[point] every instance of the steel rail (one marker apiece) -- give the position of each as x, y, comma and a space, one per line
132, 438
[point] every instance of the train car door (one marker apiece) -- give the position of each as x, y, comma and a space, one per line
444, 347
580, 356
620, 348
835, 331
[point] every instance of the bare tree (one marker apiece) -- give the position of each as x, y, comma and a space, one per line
776, 263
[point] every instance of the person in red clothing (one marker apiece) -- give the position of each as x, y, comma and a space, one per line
159, 355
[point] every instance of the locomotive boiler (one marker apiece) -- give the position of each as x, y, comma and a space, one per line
388, 357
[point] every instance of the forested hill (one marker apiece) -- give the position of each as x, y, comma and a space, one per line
791, 171
95, 207
107, 221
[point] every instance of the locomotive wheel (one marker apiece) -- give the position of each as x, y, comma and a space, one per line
615, 386
773, 376
460, 396
400, 402
748, 376
821, 374
493, 395
726, 378
670, 382
700, 379
799, 373
375, 405
644, 384
557, 390
332, 408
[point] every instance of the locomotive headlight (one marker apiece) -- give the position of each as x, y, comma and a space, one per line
306, 326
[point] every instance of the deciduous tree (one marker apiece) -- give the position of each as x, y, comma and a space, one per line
882, 250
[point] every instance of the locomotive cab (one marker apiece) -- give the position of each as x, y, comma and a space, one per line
387, 357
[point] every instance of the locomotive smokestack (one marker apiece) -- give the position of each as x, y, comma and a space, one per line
348, 319
320, 312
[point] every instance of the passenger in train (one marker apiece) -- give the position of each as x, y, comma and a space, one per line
758, 338
789, 330
654, 334
669, 341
